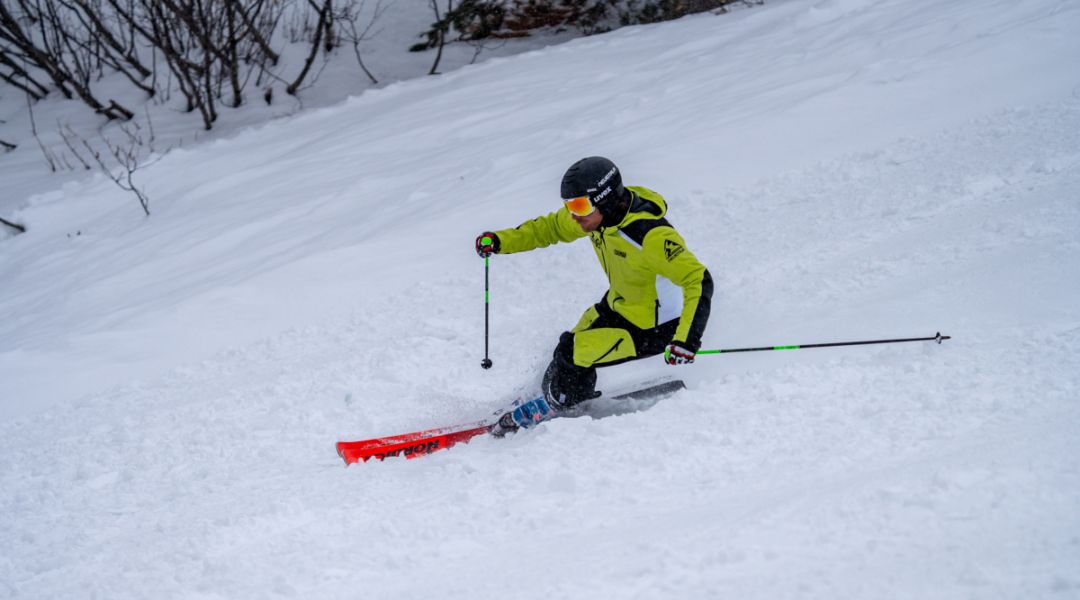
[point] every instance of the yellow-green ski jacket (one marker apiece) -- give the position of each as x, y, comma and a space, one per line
653, 277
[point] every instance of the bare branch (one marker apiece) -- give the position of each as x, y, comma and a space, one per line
354, 36
50, 159
16, 226
127, 158
323, 16
70, 137
28, 84
257, 36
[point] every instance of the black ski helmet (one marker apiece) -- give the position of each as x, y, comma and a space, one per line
595, 177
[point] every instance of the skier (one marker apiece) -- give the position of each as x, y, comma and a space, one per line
659, 296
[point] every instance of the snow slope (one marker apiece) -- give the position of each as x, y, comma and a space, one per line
173, 386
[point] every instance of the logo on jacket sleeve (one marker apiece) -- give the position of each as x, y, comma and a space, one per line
672, 249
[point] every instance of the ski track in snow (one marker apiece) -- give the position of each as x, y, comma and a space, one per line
939, 471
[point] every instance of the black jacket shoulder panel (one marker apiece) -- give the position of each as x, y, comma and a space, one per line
640, 228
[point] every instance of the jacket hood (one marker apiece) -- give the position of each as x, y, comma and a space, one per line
644, 204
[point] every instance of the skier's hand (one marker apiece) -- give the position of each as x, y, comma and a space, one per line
487, 243
676, 354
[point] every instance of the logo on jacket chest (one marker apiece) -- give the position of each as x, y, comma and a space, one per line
599, 243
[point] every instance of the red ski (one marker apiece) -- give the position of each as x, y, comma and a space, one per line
409, 445
422, 443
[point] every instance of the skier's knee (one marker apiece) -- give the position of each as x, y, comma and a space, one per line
565, 382
564, 351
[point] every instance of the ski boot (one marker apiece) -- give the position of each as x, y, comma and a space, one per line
523, 416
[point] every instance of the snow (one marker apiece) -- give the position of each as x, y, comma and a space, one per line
848, 169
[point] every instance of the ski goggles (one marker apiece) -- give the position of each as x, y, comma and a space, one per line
580, 206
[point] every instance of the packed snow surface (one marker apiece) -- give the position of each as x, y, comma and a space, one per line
173, 386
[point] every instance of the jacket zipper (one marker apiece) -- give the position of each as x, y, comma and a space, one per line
603, 256
610, 350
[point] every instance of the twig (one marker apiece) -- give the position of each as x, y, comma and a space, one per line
49, 158
69, 135
20, 228
128, 161
351, 17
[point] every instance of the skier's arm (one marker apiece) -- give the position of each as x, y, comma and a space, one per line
666, 252
543, 231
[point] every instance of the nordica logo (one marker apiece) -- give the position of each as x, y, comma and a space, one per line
600, 184
603, 180
420, 448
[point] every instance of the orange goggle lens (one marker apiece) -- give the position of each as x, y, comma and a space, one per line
580, 206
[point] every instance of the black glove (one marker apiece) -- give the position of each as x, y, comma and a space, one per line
487, 243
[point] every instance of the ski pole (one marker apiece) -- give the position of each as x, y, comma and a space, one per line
486, 363
936, 338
